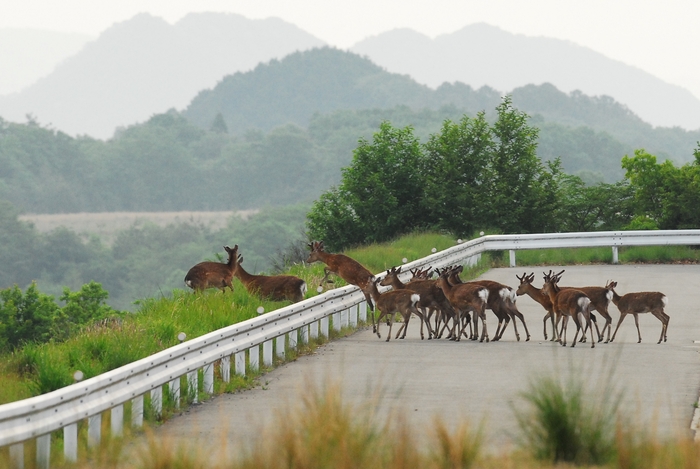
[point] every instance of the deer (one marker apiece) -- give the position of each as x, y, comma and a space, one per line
638, 303
344, 267
210, 274
274, 287
394, 301
600, 299
432, 297
464, 298
568, 303
501, 301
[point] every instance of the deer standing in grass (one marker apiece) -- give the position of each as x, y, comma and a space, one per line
569, 303
274, 287
638, 303
394, 301
210, 274
344, 267
465, 298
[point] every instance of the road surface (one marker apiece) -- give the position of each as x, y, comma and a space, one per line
483, 382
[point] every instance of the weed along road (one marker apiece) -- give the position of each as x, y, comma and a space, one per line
483, 382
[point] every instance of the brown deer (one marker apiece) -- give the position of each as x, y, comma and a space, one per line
465, 298
527, 288
568, 303
432, 297
599, 296
274, 287
638, 303
501, 302
394, 301
210, 274
344, 267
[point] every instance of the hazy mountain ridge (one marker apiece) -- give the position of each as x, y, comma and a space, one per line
145, 65
480, 54
292, 90
26, 55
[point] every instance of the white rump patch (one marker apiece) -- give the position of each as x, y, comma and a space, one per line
415, 298
609, 295
484, 294
664, 300
583, 302
303, 289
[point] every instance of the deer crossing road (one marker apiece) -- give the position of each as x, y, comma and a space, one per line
483, 382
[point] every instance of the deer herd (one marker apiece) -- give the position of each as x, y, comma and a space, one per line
447, 306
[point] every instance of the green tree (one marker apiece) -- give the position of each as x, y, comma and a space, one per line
381, 190
665, 197
455, 168
521, 190
26, 317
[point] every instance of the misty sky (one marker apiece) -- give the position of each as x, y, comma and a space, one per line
658, 36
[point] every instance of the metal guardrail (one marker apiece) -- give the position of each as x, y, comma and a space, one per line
37, 417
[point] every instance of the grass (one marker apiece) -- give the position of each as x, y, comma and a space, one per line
566, 421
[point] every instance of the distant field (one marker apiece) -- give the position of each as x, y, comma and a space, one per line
107, 224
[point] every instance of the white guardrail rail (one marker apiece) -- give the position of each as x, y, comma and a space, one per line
38, 417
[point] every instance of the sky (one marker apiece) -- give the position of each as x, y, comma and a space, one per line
659, 36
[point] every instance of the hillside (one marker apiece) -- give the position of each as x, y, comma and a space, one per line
480, 54
293, 89
145, 65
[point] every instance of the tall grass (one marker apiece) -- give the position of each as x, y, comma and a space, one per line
565, 420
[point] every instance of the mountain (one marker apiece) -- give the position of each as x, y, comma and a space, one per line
145, 66
292, 90
27, 55
481, 54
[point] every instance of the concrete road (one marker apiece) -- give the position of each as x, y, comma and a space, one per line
482, 382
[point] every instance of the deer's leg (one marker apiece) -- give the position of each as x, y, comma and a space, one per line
564, 323
636, 323
544, 322
484, 331
379, 319
391, 323
522, 319
622, 317
660, 316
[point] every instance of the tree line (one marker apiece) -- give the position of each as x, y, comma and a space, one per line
474, 176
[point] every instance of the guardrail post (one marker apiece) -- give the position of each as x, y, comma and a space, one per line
225, 365
157, 400
254, 358
614, 254
193, 386
175, 392
209, 379
362, 311
353, 316
345, 318
293, 339
116, 420
313, 330
280, 342
43, 451
336, 321
324, 326
17, 456
267, 353
304, 334
512, 257
70, 442
240, 363
137, 411
94, 430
